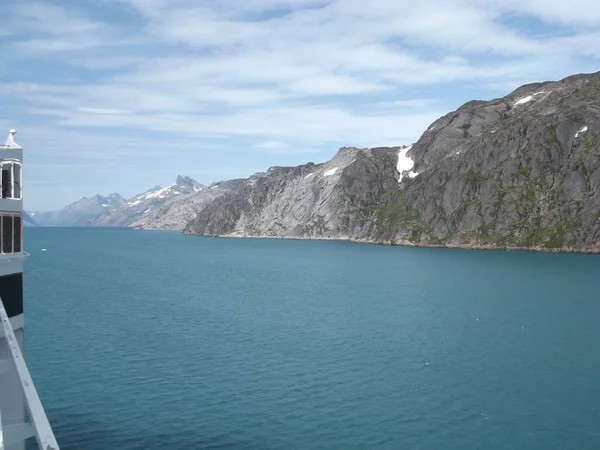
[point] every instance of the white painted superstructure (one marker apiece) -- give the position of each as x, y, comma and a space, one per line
17, 391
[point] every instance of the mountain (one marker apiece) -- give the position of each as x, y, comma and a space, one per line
178, 211
141, 206
331, 200
28, 221
158, 208
522, 171
78, 213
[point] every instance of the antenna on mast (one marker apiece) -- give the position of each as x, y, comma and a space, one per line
10, 140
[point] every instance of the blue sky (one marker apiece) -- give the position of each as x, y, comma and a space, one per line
121, 95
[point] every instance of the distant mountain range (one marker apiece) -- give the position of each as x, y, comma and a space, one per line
158, 208
79, 213
28, 221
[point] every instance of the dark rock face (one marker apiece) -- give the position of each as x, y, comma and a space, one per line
521, 171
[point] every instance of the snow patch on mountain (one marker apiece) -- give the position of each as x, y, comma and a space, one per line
405, 164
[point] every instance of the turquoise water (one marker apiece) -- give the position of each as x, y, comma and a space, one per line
156, 340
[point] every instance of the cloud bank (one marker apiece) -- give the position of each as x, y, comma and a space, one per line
120, 83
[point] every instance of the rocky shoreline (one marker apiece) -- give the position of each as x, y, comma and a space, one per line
406, 243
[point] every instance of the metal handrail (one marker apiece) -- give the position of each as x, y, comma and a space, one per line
43, 431
1, 434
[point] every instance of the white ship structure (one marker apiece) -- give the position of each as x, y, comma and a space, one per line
22, 415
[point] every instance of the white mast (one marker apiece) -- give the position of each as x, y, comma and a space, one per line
10, 140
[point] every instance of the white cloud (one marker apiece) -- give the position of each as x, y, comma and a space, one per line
311, 124
54, 20
572, 13
271, 145
282, 76
403, 104
284, 148
105, 62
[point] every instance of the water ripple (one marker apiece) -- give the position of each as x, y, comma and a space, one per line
157, 340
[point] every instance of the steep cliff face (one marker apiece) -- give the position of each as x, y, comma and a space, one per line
521, 171
332, 200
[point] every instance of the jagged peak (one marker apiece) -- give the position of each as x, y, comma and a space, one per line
257, 174
347, 152
185, 181
395, 147
527, 88
344, 150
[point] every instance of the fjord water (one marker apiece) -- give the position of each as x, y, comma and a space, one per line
156, 340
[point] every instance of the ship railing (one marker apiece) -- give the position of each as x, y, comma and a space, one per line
38, 426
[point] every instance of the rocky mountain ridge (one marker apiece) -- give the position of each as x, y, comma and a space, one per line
142, 206
522, 171
517, 172
309, 201
78, 213
114, 210
158, 208
178, 211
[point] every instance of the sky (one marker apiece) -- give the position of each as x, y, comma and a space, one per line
122, 95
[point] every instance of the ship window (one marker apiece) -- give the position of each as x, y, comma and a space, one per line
17, 234
11, 232
6, 182
16, 180
11, 179
7, 234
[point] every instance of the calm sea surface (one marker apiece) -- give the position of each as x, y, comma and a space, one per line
156, 340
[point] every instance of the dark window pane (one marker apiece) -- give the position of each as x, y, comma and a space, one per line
5, 183
17, 234
11, 291
7, 234
17, 181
